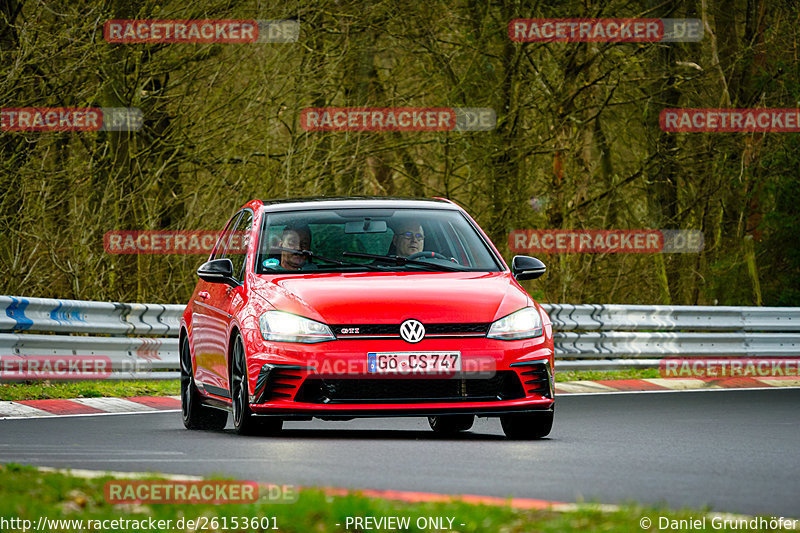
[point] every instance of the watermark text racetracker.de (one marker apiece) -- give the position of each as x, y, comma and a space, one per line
416, 365
398, 119
171, 241
170, 491
634, 30
70, 119
19, 367
730, 120
729, 367
597, 241
198, 31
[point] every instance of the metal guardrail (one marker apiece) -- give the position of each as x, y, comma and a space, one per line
77, 316
639, 336
111, 326
615, 337
566, 317
141, 339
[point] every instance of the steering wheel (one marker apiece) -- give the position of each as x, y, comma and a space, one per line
430, 255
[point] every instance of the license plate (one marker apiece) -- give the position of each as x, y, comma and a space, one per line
413, 362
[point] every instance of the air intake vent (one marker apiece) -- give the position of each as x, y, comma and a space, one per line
535, 377
277, 382
502, 386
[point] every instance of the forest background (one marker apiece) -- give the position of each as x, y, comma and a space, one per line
577, 142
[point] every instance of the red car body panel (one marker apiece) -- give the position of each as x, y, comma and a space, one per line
210, 320
390, 297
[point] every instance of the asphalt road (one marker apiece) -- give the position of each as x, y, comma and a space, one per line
733, 450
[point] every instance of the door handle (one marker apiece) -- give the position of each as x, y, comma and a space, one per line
203, 294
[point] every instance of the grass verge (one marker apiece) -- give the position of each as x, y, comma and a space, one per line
28, 494
599, 375
40, 390
95, 389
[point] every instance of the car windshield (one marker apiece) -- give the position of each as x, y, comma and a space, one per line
371, 239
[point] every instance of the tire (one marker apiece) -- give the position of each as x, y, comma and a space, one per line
527, 426
244, 421
195, 414
450, 424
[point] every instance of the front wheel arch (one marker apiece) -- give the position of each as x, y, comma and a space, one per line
231, 339
195, 415
244, 420
185, 335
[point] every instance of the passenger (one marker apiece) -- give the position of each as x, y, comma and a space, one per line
409, 239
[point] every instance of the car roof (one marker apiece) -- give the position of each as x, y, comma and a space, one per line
322, 202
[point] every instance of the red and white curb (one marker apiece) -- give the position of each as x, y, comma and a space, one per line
88, 406
395, 495
494, 501
674, 384
519, 504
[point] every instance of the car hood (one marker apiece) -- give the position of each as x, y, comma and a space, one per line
379, 298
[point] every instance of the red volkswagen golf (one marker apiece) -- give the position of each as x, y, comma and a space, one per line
364, 307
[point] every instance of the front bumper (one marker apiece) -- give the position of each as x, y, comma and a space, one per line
330, 380
382, 410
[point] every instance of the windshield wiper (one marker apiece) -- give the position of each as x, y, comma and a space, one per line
314, 255
400, 261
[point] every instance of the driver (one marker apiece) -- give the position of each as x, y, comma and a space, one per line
409, 239
294, 237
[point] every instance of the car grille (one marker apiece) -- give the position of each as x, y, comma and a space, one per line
453, 329
504, 385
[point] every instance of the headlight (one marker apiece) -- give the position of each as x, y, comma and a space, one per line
523, 324
286, 327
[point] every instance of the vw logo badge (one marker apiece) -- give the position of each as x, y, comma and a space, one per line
412, 330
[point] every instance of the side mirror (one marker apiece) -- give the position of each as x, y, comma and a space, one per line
217, 271
524, 267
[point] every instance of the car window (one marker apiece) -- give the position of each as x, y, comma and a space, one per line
238, 243
222, 242
409, 233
